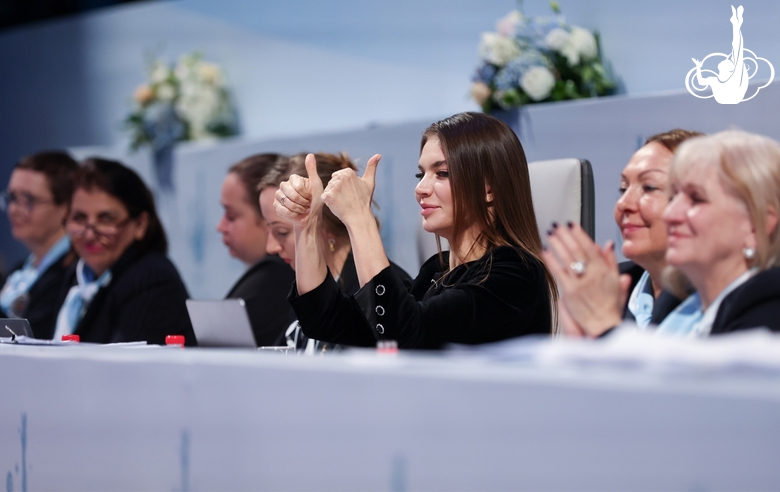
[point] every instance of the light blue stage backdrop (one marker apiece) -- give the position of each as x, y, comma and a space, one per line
305, 67
604, 131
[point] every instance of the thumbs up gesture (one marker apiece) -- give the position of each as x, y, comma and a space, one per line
349, 196
299, 198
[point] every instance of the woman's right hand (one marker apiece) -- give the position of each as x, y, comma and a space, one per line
299, 199
590, 286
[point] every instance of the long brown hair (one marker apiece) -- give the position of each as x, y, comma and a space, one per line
481, 151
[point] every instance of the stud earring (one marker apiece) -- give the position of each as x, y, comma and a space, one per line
748, 252
332, 245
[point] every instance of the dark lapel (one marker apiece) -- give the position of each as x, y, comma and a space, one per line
86, 326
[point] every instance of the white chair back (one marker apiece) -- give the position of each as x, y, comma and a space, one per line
562, 191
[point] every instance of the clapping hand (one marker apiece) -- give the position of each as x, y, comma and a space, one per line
591, 288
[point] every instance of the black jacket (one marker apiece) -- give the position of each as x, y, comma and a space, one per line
44, 301
662, 306
349, 284
754, 304
145, 300
501, 295
264, 288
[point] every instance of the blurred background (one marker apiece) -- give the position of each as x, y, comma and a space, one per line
300, 68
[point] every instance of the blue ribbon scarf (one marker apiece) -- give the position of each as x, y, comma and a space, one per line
15, 294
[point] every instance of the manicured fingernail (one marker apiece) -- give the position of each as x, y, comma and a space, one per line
554, 225
549, 232
612, 247
570, 225
544, 247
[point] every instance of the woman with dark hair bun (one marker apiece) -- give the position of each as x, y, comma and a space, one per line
474, 191
37, 202
123, 288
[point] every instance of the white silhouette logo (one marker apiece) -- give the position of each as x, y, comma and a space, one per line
735, 70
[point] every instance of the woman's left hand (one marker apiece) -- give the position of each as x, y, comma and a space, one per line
349, 196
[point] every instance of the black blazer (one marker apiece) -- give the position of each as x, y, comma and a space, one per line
754, 304
662, 306
145, 300
501, 295
44, 296
264, 288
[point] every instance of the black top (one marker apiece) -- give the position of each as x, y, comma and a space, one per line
349, 284
663, 304
145, 300
501, 295
754, 304
43, 303
264, 288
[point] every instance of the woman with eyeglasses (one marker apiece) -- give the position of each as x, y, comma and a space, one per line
37, 202
123, 288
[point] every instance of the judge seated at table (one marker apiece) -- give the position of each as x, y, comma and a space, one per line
37, 202
123, 288
267, 280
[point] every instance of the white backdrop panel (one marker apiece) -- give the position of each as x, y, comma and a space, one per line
604, 131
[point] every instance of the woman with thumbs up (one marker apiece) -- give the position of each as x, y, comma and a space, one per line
333, 237
475, 192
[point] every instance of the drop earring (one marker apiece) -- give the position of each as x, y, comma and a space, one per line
748, 252
332, 245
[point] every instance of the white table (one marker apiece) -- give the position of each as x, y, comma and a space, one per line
99, 418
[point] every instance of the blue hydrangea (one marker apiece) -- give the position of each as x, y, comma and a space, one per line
536, 31
485, 73
509, 76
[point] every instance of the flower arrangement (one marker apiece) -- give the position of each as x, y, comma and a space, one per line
185, 101
538, 59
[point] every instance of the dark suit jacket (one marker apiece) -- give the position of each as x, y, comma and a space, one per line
145, 300
662, 306
501, 295
44, 296
754, 304
264, 288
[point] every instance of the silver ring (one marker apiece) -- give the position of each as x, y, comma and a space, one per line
578, 267
281, 200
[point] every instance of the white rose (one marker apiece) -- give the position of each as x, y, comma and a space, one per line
571, 53
537, 82
556, 39
497, 49
182, 71
584, 42
160, 73
211, 73
166, 92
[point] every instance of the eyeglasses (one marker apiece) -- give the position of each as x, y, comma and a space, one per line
25, 201
78, 227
